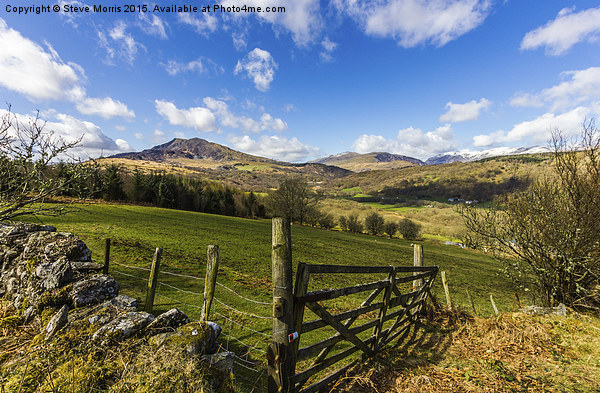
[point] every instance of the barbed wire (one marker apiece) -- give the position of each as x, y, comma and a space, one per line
243, 297
130, 275
243, 326
131, 267
180, 290
182, 275
240, 312
250, 347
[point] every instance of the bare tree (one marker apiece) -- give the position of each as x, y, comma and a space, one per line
27, 151
551, 232
293, 199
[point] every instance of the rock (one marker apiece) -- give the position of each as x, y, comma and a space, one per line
86, 267
93, 289
222, 361
50, 246
194, 338
124, 302
60, 274
57, 322
167, 322
124, 326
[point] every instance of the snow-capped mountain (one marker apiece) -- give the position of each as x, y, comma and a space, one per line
471, 155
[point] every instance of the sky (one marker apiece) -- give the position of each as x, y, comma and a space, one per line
314, 78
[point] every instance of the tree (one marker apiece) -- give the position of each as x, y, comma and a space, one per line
113, 183
293, 199
326, 221
27, 150
374, 223
409, 229
550, 233
390, 228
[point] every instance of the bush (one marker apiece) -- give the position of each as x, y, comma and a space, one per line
551, 231
326, 221
374, 223
409, 229
390, 228
351, 223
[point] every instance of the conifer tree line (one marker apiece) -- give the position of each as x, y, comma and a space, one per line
112, 183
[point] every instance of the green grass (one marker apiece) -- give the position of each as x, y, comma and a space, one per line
245, 248
245, 264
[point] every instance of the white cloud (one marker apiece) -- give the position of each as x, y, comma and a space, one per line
328, 48
39, 73
568, 29
228, 119
198, 118
410, 141
277, 147
117, 42
301, 17
416, 22
289, 108
538, 130
153, 25
582, 86
158, 136
104, 107
201, 65
27, 68
72, 17
93, 140
204, 24
139, 135
239, 41
259, 66
464, 112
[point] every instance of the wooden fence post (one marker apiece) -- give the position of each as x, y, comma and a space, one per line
212, 268
106, 256
446, 290
153, 281
418, 261
278, 354
471, 302
494, 305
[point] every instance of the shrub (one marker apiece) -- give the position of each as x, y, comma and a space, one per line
409, 229
390, 228
374, 223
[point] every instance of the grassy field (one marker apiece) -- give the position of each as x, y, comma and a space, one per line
245, 266
246, 249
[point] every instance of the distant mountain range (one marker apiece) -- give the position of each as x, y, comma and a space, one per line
357, 162
469, 155
201, 149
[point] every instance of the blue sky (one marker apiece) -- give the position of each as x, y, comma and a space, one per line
412, 77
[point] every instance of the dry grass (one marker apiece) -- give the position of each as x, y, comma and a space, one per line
511, 353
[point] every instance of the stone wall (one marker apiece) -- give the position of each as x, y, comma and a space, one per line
49, 276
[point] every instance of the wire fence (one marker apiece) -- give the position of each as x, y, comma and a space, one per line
245, 322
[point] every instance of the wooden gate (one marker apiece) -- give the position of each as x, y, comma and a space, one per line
386, 312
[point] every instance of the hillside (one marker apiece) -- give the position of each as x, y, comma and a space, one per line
470, 180
197, 157
195, 149
370, 161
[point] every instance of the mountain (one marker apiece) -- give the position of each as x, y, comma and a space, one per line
197, 157
357, 162
470, 155
194, 149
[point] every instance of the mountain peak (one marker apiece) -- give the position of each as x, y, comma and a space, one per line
193, 148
